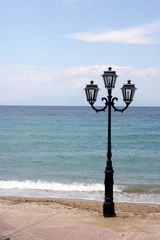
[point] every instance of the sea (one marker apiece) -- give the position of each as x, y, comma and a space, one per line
60, 152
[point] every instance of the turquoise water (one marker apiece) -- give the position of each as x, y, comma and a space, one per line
61, 152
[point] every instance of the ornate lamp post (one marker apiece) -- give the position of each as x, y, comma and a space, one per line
128, 91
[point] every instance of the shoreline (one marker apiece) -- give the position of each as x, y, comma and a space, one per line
121, 208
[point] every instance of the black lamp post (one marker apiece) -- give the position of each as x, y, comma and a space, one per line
128, 91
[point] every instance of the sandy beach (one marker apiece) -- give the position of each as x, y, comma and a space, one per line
56, 219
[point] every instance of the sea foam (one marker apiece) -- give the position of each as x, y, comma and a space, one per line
54, 186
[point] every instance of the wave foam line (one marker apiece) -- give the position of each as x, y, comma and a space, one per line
53, 186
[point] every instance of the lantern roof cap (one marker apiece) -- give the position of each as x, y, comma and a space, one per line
110, 72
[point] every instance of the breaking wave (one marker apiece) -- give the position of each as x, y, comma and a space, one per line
54, 186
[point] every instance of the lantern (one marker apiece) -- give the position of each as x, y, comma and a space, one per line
91, 92
109, 78
128, 91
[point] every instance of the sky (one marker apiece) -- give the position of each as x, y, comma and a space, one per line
50, 50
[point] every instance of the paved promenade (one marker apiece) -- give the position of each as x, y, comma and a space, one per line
54, 221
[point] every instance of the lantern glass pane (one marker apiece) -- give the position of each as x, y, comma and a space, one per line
91, 92
128, 94
114, 81
87, 94
95, 95
109, 81
133, 91
105, 81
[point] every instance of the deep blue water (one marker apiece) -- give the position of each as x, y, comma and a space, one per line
61, 152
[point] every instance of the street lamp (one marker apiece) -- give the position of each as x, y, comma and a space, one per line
128, 91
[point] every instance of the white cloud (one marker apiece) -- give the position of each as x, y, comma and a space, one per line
19, 84
144, 34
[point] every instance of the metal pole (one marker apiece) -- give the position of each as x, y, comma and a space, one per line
108, 206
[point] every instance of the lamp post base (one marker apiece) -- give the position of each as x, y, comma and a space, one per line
108, 209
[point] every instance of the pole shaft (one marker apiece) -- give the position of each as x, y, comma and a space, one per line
108, 206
